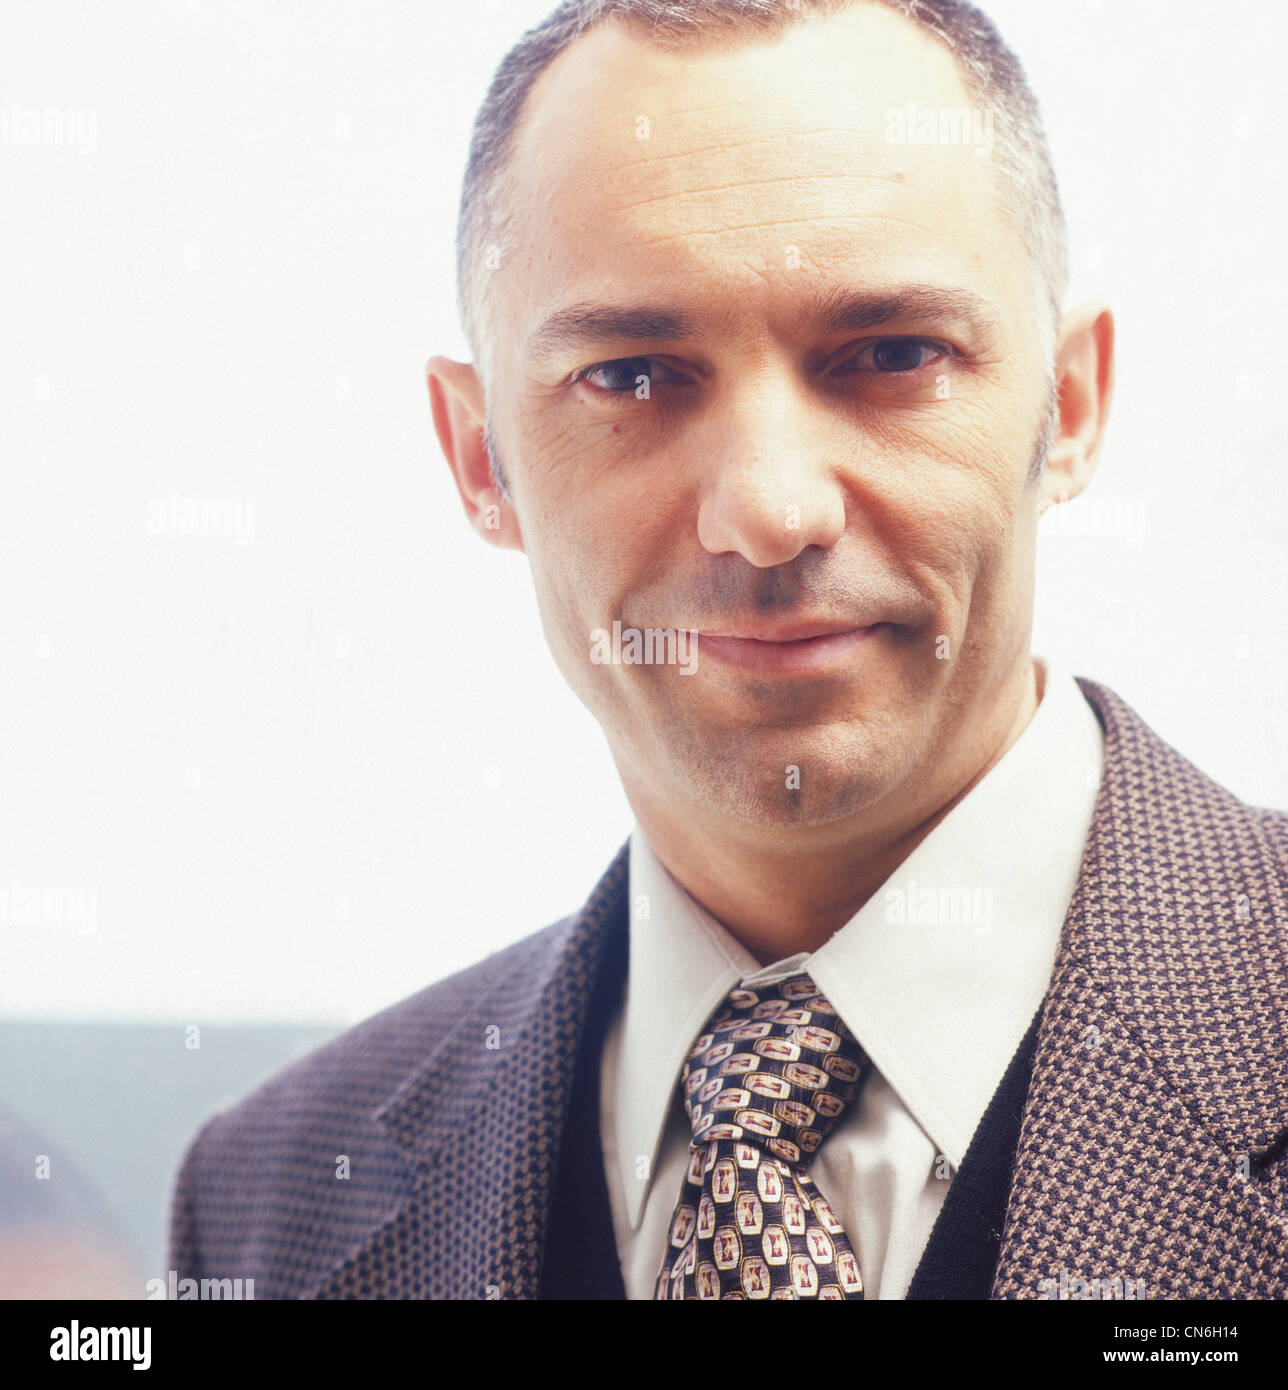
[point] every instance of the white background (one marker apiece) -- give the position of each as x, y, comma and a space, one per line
300, 774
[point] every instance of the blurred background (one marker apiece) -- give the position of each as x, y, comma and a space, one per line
262, 781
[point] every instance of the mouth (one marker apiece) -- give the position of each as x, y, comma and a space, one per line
808, 648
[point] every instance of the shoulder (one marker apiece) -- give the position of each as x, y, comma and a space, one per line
278, 1182
361, 1066
1167, 833
1140, 754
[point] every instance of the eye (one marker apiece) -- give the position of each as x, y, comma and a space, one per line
896, 356
622, 375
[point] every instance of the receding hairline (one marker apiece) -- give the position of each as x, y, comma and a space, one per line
1024, 181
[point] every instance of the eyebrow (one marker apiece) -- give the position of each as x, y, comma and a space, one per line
582, 325
838, 309
858, 309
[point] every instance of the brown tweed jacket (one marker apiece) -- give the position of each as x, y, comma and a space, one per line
1153, 1146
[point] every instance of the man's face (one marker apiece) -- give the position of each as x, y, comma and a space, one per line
847, 369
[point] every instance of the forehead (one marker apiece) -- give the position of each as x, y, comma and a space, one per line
704, 167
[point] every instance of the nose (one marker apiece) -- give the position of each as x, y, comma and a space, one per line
769, 488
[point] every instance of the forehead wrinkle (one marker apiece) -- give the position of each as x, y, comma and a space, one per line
703, 192
628, 171
730, 145
938, 241
638, 244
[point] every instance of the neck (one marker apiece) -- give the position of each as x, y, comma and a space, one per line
779, 893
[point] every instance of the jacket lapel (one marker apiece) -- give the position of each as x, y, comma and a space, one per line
480, 1124
1158, 1105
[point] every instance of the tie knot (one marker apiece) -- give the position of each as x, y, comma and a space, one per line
775, 1067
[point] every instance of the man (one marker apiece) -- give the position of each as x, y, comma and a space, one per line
928, 971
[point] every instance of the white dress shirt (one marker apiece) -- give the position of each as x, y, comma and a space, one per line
938, 975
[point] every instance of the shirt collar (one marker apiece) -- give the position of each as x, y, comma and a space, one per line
682, 964
938, 975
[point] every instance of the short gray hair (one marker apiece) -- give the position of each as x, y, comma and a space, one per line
993, 75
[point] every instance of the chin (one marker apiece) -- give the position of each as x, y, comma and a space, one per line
769, 809
792, 779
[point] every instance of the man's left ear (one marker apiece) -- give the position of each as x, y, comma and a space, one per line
1085, 382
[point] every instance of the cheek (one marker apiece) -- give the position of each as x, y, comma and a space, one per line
596, 524
954, 532
992, 560
570, 474
578, 556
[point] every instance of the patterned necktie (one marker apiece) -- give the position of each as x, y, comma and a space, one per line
763, 1086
